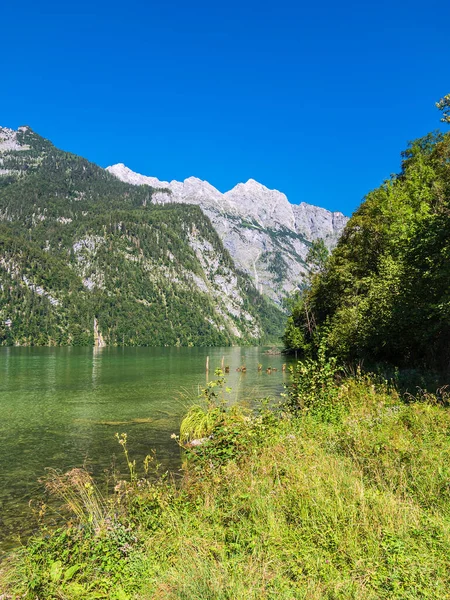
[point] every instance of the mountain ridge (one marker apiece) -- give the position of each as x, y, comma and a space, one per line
124, 173
266, 235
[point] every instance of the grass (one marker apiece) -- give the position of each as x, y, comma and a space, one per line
347, 502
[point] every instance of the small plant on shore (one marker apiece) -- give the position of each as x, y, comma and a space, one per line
131, 464
313, 386
81, 496
214, 430
211, 409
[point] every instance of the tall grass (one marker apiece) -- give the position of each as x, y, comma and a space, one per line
351, 507
80, 496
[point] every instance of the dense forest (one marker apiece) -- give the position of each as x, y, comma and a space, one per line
77, 244
384, 293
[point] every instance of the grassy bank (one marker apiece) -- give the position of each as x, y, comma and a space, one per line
344, 492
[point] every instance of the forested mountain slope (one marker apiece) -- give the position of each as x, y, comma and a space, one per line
80, 248
384, 294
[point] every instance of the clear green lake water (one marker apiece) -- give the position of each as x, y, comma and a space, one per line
61, 406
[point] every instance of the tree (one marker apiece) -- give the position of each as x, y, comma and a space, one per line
383, 294
444, 106
317, 256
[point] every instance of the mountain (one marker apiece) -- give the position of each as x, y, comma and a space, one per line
266, 235
86, 258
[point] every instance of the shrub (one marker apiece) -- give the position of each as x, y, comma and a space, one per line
313, 387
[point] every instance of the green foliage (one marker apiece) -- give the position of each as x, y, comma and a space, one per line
209, 411
199, 422
79, 563
313, 387
299, 327
275, 263
383, 295
214, 429
317, 255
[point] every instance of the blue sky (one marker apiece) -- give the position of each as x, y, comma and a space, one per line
314, 99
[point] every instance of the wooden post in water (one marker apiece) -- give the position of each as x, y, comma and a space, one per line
207, 364
223, 364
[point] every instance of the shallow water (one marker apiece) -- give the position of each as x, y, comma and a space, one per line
62, 406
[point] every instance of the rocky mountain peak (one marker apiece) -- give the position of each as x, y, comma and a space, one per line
193, 184
9, 141
268, 208
251, 185
125, 174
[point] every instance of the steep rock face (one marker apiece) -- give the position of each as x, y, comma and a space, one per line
267, 236
316, 222
267, 208
9, 144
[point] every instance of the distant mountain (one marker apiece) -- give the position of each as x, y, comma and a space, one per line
266, 235
88, 259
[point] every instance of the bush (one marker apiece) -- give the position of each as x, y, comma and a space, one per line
313, 387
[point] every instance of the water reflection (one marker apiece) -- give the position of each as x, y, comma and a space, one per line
96, 364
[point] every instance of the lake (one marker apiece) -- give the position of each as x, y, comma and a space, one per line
62, 406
